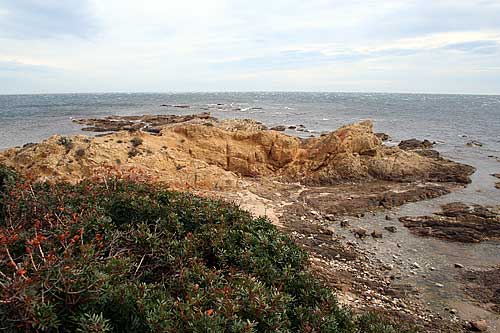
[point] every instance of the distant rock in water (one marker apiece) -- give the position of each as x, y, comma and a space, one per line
474, 143
413, 144
279, 128
147, 123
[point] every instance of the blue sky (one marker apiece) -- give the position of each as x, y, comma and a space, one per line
234, 45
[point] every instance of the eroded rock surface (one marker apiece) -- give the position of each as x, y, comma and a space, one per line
457, 222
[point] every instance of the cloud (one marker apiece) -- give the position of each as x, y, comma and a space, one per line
31, 19
18, 67
167, 45
479, 46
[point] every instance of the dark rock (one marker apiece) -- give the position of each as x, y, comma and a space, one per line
136, 123
292, 127
391, 228
457, 265
344, 223
383, 136
474, 143
457, 222
279, 128
389, 218
430, 153
29, 144
413, 144
154, 130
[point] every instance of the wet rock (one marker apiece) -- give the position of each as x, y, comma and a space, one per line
413, 144
479, 325
279, 128
29, 144
474, 143
457, 222
376, 234
383, 136
391, 228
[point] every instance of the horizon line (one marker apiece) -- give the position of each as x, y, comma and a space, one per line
248, 91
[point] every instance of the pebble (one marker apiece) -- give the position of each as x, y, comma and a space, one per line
457, 265
344, 223
415, 265
391, 228
479, 325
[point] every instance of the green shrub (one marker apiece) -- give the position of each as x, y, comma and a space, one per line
130, 257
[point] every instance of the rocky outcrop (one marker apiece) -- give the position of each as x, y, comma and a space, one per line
211, 154
457, 222
136, 123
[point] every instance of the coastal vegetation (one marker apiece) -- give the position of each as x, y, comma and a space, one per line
118, 254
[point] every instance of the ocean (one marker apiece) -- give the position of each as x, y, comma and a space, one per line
450, 120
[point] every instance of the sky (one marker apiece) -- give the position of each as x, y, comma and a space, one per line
431, 46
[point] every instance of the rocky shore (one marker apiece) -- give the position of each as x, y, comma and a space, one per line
457, 222
310, 188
